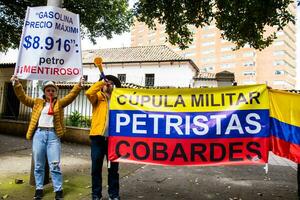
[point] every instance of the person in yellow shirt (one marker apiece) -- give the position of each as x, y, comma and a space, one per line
45, 128
99, 95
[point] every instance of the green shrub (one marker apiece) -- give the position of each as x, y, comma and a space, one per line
76, 119
86, 122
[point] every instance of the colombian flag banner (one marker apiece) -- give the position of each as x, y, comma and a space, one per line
285, 124
193, 126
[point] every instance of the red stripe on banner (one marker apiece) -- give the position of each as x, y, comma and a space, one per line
189, 151
285, 149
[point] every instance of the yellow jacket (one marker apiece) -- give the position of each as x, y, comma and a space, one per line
37, 105
100, 108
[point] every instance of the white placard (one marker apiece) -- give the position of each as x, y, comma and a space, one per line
50, 46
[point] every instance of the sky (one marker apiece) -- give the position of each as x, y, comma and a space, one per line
102, 43
124, 41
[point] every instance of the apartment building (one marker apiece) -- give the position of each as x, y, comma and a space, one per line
275, 65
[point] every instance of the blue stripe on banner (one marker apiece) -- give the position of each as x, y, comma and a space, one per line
284, 131
222, 124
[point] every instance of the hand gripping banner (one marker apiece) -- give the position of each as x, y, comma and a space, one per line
214, 126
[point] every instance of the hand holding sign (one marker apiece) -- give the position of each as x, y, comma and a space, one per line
14, 79
50, 45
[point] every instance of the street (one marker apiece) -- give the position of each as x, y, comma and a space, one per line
148, 182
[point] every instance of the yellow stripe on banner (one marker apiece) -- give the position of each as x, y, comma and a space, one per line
191, 99
285, 106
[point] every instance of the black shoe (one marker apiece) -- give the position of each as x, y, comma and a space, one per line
59, 195
38, 194
97, 198
116, 198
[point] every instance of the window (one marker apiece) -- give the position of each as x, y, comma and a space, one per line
151, 33
192, 46
278, 53
249, 63
208, 51
228, 48
227, 65
204, 44
208, 68
122, 78
206, 60
249, 82
278, 62
162, 39
278, 43
249, 54
189, 54
209, 27
279, 82
283, 83
248, 73
209, 35
149, 80
279, 33
150, 42
279, 72
227, 57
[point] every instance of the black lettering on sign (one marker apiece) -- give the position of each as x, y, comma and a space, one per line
135, 151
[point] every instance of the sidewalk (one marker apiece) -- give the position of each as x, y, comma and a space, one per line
148, 182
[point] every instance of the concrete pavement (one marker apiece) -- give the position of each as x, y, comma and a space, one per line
148, 182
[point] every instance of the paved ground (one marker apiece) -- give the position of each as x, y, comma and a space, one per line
149, 182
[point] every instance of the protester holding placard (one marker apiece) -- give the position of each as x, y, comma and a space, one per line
99, 95
46, 127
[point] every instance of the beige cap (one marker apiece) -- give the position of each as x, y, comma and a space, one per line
48, 84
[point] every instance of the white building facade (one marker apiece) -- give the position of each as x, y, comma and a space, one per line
151, 66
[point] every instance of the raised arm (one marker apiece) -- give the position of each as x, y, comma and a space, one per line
20, 93
66, 100
91, 93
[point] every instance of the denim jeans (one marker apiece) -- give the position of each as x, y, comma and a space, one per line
98, 152
46, 142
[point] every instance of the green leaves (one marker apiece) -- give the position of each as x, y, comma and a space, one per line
240, 21
97, 18
101, 18
177, 15
246, 21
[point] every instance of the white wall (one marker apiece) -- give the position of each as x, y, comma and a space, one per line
205, 83
166, 74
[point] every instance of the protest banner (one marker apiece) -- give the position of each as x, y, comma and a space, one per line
212, 126
50, 45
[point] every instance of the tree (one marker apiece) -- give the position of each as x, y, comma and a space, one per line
97, 18
240, 21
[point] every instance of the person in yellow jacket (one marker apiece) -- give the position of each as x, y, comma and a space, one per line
99, 95
46, 129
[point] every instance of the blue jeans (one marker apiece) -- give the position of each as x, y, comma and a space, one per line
98, 152
46, 143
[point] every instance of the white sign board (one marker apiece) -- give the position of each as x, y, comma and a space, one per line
50, 45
